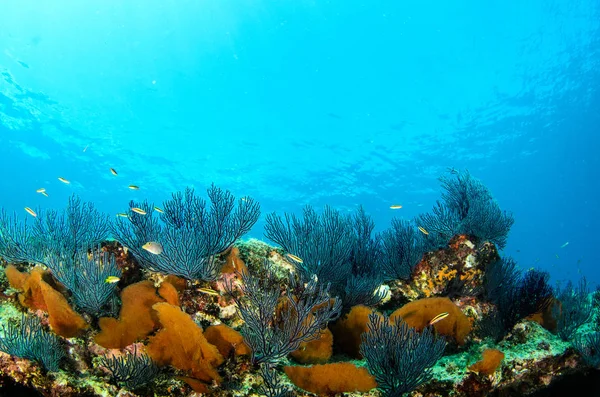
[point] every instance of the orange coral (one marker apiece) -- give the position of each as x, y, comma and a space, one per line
491, 360
347, 331
37, 294
546, 318
62, 318
169, 293
31, 295
445, 274
181, 343
136, 319
227, 340
233, 262
16, 279
178, 282
419, 313
317, 351
331, 378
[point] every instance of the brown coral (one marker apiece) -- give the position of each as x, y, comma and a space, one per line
317, 351
329, 379
419, 313
491, 360
347, 331
136, 319
181, 343
37, 294
227, 340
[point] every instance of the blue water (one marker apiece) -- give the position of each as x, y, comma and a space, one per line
311, 102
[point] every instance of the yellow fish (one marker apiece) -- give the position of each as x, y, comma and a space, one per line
113, 171
395, 207
439, 317
294, 258
30, 211
422, 230
112, 279
157, 209
153, 247
134, 187
122, 214
208, 291
63, 180
41, 190
138, 210
45, 194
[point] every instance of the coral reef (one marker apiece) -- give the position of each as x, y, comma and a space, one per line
425, 308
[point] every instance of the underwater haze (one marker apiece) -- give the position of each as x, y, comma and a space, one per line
298, 102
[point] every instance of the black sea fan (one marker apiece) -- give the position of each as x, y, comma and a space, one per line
86, 277
574, 310
131, 370
516, 296
29, 340
276, 322
192, 233
398, 356
467, 207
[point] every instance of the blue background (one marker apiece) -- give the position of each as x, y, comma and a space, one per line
311, 102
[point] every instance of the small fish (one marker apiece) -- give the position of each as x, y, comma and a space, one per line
45, 194
113, 171
134, 187
138, 210
63, 180
439, 317
30, 211
158, 209
41, 190
395, 207
153, 247
208, 291
422, 230
111, 279
122, 215
85, 148
294, 258
564, 245
557, 257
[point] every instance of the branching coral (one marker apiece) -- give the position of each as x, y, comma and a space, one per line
29, 340
277, 322
467, 207
72, 232
85, 276
336, 249
131, 370
192, 233
323, 242
398, 356
66, 234
516, 296
573, 310
402, 248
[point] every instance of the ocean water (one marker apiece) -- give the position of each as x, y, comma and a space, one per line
311, 102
